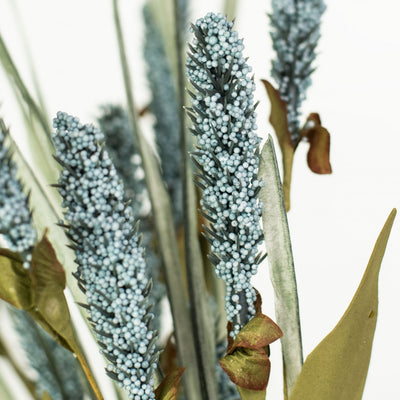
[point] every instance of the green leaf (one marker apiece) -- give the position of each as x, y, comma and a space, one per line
48, 284
168, 388
247, 363
337, 368
278, 120
15, 284
280, 259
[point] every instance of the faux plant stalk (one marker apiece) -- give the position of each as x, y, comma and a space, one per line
224, 123
111, 266
295, 34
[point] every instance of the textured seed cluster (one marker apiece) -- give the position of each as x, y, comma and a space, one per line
111, 267
164, 106
224, 123
295, 34
119, 139
15, 217
56, 367
120, 145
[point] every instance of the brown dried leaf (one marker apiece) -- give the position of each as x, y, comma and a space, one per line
319, 139
247, 362
168, 388
278, 120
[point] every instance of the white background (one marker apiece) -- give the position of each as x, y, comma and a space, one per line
335, 219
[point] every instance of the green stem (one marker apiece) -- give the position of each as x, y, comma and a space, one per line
166, 236
202, 329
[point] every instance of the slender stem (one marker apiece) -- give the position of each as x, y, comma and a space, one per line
202, 329
89, 376
166, 236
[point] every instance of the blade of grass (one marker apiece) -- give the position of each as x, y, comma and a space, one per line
166, 236
27, 51
36, 122
203, 328
230, 9
280, 257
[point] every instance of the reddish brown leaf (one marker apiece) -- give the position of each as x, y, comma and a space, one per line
278, 120
169, 357
258, 333
247, 363
247, 368
168, 388
319, 139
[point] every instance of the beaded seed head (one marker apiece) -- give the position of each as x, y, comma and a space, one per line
295, 31
56, 367
224, 123
111, 267
15, 217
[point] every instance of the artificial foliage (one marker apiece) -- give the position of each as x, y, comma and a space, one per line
122, 223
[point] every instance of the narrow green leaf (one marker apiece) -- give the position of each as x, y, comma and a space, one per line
166, 236
230, 9
5, 393
168, 388
36, 122
337, 368
15, 282
280, 258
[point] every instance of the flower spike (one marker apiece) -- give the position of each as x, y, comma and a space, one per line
224, 120
111, 265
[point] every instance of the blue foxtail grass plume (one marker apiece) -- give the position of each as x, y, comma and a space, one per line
224, 123
56, 367
295, 33
111, 267
15, 217
164, 106
120, 145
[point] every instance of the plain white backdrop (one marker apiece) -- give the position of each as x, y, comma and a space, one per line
335, 219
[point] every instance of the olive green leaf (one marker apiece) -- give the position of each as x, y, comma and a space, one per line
337, 368
48, 284
278, 120
15, 284
281, 265
247, 362
168, 388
